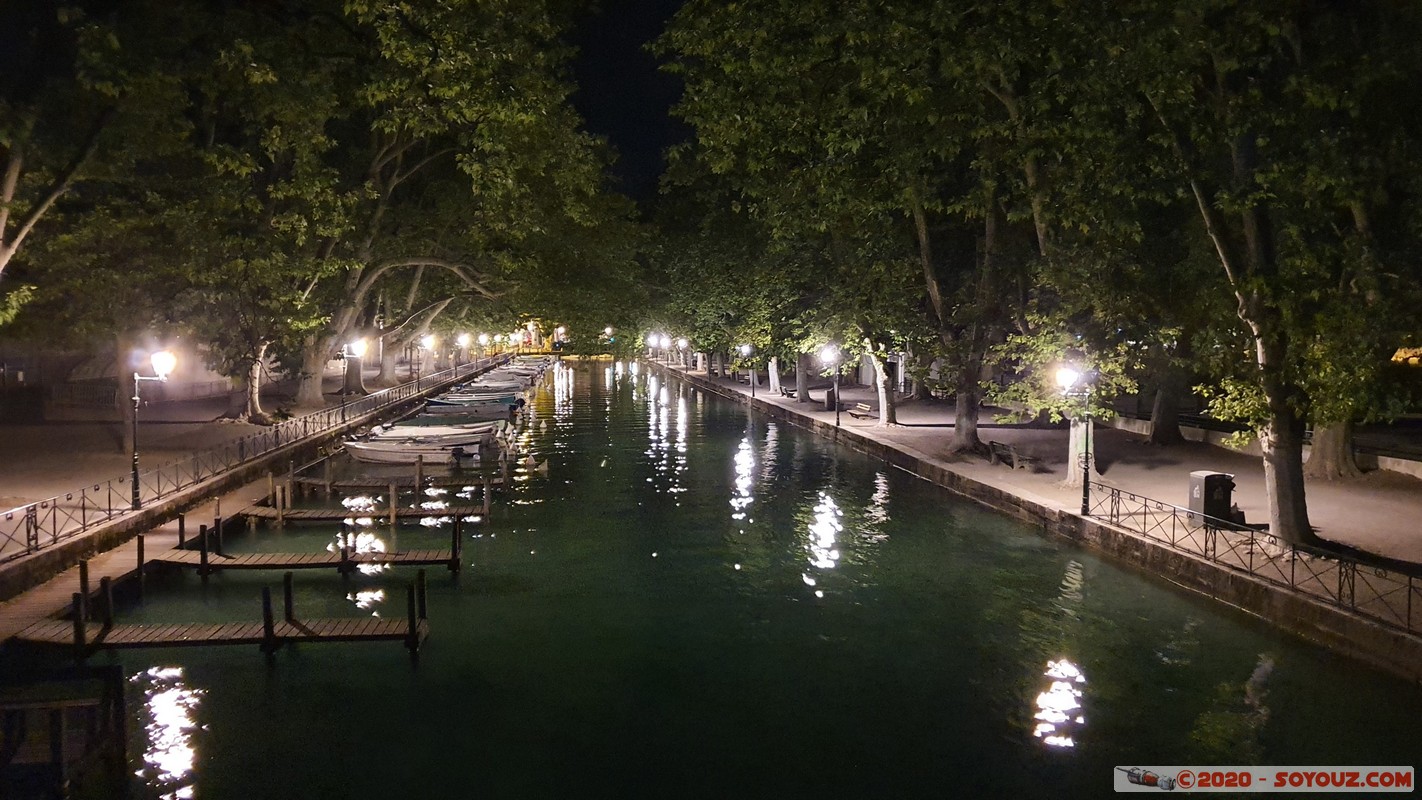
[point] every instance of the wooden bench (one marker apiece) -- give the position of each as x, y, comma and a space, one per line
784, 392
1004, 453
862, 411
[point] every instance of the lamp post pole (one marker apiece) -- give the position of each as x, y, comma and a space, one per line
163, 363
1086, 452
836, 394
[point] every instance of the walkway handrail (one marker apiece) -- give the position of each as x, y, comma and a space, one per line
1387, 596
33, 527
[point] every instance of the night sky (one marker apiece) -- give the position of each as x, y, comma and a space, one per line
621, 93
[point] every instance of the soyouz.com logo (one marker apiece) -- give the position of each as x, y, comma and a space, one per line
1262, 779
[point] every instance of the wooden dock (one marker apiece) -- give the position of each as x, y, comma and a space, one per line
341, 560
84, 636
338, 514
119, 637
401, 482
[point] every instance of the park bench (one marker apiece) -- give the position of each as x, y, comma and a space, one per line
1004, 453
862, 411
787, 392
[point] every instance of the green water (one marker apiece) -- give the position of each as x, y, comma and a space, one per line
695, 602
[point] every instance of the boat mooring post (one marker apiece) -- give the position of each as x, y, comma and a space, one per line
394, 506
412, 635
202, 551
106, 589
81, 632
421, 595
419, 473
456, 546
84, 586
269, 643
288, 601
182, 529
141, 562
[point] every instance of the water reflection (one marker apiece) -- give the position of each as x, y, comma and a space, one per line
1059, 707
823, 530
365, 599
169, 711
360, 542
741, 498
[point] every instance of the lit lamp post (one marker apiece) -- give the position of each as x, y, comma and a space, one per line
163, 363
745, 354
427, 342
483, 345
1075, 383
829, 355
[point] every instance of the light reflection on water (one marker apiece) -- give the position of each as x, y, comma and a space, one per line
361, 542
823, 529
169, 721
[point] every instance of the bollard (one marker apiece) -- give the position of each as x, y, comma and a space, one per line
202, 550
106, 589
84, 587
182, 529
394, 506
268, 625
288, 601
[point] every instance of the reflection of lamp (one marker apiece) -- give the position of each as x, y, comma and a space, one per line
1076, 383
163, 363
745, 354
829, 354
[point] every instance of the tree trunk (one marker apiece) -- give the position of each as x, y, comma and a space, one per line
1331, 455
1165, 415
802, 377
773, 375
1081, 441
1282, 442
965, 415
388, 374
254, 412
309, 391
353, 382
888, 414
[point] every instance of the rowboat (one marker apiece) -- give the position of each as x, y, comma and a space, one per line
404, 452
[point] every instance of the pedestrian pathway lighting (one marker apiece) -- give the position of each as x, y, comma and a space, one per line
665, 342
1075, 383
682, 344
163, 363
463, 342
829, 356
746, 351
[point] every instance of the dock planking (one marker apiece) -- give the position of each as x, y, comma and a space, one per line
119, 637
215, 562
339, 514
403, 482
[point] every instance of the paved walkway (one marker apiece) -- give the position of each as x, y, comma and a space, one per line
1377, 514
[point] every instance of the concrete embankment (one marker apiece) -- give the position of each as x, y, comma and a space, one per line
1338, 629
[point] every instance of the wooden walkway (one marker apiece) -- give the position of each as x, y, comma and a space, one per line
319, 560
116, 637
338, 514
404, 482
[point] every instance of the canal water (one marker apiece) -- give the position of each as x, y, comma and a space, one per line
680, 599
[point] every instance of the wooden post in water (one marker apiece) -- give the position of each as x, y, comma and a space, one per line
488, 487
84, 586
217, 514
202, 551
182, 529
81, 633
456, 545
421, 595
345, 567
106, 589
419, 474
412, 638
269, 643
217, 535
271, 488
288, 601
281, 520
326, 478
141, 561
395, 506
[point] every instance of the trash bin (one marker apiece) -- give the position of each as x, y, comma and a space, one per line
1211, 493
831, 402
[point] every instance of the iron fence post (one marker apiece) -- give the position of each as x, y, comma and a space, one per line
31, 528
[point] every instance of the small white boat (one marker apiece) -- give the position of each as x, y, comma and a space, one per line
403, 452
451, 432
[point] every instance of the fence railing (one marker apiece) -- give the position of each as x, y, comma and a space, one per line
33, 527
1381, 594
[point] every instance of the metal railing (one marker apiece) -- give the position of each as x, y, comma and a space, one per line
1381, 594
30, 528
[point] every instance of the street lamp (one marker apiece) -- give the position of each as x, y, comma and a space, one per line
745, 354
163, 363
1075, 383
829, 354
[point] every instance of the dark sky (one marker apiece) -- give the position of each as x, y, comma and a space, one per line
621, 93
